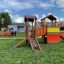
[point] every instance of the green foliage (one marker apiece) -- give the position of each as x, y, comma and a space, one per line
6, 19
0, 21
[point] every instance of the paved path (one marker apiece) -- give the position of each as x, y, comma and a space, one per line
4, 38
12, 38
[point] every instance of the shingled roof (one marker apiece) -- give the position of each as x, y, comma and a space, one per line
30, 18
51, 17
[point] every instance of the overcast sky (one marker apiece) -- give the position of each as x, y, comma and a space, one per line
41, 8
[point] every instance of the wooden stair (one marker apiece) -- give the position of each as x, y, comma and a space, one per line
34, 44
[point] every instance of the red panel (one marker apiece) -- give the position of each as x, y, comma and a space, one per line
53, 38
6, 34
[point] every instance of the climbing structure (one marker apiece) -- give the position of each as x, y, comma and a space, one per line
51, 33
30, 34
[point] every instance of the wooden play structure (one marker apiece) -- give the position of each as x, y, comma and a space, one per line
48, 33
30, 34
51, 33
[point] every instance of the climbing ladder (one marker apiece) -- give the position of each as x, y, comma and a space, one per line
34, 44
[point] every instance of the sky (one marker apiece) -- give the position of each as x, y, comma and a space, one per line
17, 9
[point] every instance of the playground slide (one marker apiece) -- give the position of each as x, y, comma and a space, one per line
34, 43
62, 36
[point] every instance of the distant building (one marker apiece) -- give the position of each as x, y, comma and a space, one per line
19, 27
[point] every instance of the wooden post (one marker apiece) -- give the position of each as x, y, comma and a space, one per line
32, 33
43, 38
35, 27
52, 23
55, 22
41, 23
61, 25
27, 31
32, 25
44, 22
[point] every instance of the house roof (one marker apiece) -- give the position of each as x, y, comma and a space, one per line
18, 24
30, 18
51, 17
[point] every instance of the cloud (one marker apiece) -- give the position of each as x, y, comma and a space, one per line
36, 15
57, 18
19, 19
14, 4
7, 10
63, 10
43, 15
58, 3
26, 4
20, 6
38, 18
49, 13
46, 5
61, 19
16, 18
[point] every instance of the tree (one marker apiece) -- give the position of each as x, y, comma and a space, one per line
5, 19
0, 21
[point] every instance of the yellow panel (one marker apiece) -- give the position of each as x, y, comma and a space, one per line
53, 29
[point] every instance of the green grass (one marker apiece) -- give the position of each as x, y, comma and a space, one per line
21, 34
51, 54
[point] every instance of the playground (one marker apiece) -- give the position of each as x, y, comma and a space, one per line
43, 45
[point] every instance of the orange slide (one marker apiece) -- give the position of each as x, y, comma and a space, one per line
62, 36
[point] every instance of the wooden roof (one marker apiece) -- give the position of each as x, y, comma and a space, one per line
30, 18
51, 17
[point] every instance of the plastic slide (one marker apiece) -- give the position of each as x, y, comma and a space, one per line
62, 36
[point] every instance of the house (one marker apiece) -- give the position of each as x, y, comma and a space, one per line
19, 27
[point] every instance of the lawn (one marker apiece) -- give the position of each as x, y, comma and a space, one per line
51, 54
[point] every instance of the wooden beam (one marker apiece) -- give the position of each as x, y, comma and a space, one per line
35, 27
